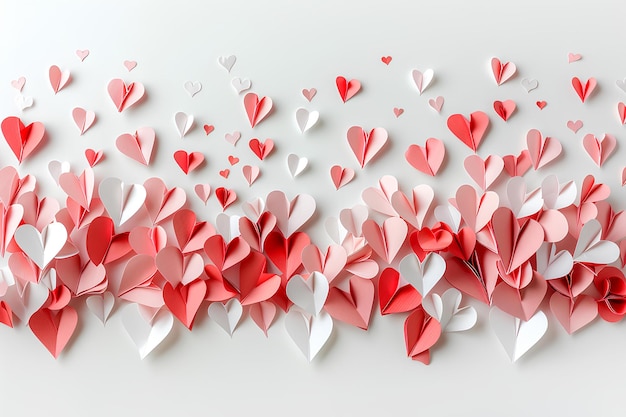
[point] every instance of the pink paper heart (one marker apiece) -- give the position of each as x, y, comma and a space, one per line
188, 161
476, 210
82, 54
138, 146
471, 131
341, 176
146, 240
502, 72
22, 139
483, 172
516, 166
522, 303
130, 65
256, 109
542, 150
83, 118
621, 111
574, 126
177, 268
347, 89
19, 83
584, 91
436, 103
599, 150
309, 94
250, 173
366, 146
504, 109
573, 314
125, 96
379, 199
78, 188
93, 157
427, 159
516, 244
162, 202
203, 191
413, 209
386, 240
58, 78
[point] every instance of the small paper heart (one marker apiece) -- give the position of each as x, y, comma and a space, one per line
130, 65
541, 104
208, 129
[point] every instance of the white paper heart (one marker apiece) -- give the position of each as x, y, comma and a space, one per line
254, 208
621, 84
227, 226
227, 315
449, 215
241, 84
121, 200
306, 119
49, 279
520, 203
290, 215
227, 61
310, 334
445, 309
529, 85
56, 168
146, 334
590, 249
101, 305
23, 102
184, 123
423, 275
42, 247
309, 294
422, 79
25, 301
517, 336
551, 264
556, 196
335, 230
296, 164
193, 87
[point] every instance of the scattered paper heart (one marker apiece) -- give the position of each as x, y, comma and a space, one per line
422, 79
83, 119
341, 176
296, 164
227, 62
241, 84
529, 85
306, 119
347, 89
192, 87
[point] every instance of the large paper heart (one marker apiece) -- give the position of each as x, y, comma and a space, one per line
188, 161
290, 215
310, 334
471, 131
424, 275
121, 200
483, 172
515, 335
599, 149
226, 255
101, 305
591, 249
329, 264
522, 303
421, 332
427, 159
542, 150
308, 293
123, 95
226, 315
515, 244
162, 202
386, 240
138, 146
379, 199
396, 295
78, 188
22, 139
146, 334
184, 300
414, 208
177, 268
42, 247
573, 314
54, 328
366, 145
445, 309
256, 109
353, 306
476, 210
263, 314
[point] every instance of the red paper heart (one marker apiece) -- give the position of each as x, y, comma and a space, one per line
504, 109
393, 298
93, 157
22, 139
347, 89
261, 149
584, 91
225, 196
54, 328
208, 129
184, 300
188, 161
421, 332
471, 131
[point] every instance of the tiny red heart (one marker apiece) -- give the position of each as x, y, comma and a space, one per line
233, 159
398, 111
225, 173
208, 129
386, 60
541, 104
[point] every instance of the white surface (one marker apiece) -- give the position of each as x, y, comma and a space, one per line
283, 47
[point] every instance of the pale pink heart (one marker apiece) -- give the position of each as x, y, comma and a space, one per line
83, 118
19, 83
574, 126
398, 111
82, 54
130, 65
330, 264
623, 176
309, 94
379, 199
78, 188
138, 146
573, 314
476, 210
290, 215
352, 219
436, 103
58, 78
502, 72
366, 146
484, 172
177, 268
599, 150
123, 95
256, 109
427, 158
515, 244
162, 202
386, 240
573, 57
542, 150
250, 173
146, 240
341, 176
203, 191
232, 138
413, 209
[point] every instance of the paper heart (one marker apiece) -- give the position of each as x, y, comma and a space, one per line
621, 84
347, 89
82, 54
121, 200
386, 240
42, 247
422, 79
386, 59
421, 332
504, 109
413, 209
130, 65
471, 131
263, 314
23, 102
515, 335
162, 202
398, 111
54, 328
330, 264
226, 315
449, 215
476, 210
22, 139
517, 165
9, 222
192, 87
522, 204
184, 123
584, 91
190, 234
516, 244
58, 78
436, 103
177, 268
93, 157
83, 119
573, 314
427, 159
309, 93
541, 104
574, 126
146, 240
101, 305
353, 305
203, 191
542, 150
261, 149
573, 57
188, 161
286, 252
341, 176
529, 85
502, 72
379, 199
591, 249
290, 215
353, 219
551, 264
308, 294
184, 300
445, 309
19, 83
125, 96
146, 334
484, 172
621, 111
138, 146
232, 138
78, 188
256, 109
56, 168
310, 334
208, 129
226, 255
366, 146
599, 150
424, 275
240, 85
225, 196
296, 164
227, 62
256, 233
306, 119
396, 295
250, 173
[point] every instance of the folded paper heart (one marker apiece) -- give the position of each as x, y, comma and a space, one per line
423, 275
58, 78
184, 123
296, 164
599, 149
341, 176
250, 173
502, 72
261, 149
308, 294
83, 119
138, 146
41, 247
125, 95
347, 89
306, 119
146, 334
542, 150
121, 200
226, 315
309, 333
366, 146
256, 109
471, 131
22, 140
504, 109
515, 335
422, 79
427, 159
584, 91
188, 161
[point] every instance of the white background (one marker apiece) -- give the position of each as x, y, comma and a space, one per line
282, 47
